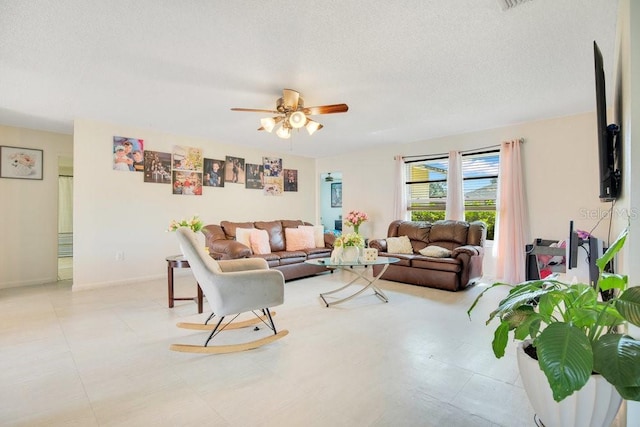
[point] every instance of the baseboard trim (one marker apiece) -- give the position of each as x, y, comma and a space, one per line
99, 285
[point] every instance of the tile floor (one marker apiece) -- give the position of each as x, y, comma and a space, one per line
101, 358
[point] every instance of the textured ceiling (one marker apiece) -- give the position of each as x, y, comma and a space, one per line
409, 70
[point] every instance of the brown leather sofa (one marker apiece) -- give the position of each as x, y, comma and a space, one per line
461, 269
222, 244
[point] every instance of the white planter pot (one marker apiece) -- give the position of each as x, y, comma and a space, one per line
594, 405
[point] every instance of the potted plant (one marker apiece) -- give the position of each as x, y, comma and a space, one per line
573, 333
347, 247
195, 224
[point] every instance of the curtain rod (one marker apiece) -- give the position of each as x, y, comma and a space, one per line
490, 147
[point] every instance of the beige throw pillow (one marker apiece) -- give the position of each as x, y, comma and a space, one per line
243, 235
318, 234
399, 245
299, 238
435, 252
260, 242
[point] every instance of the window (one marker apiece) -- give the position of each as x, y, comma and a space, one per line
427, 187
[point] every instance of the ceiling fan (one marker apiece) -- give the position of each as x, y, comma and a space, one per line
291, 112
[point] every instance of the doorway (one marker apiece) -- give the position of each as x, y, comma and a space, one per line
331, 201
65, 218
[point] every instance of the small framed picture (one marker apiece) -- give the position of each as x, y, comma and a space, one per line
20, 163
336, 195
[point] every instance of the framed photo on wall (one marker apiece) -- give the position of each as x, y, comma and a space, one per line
20, 163
336, 195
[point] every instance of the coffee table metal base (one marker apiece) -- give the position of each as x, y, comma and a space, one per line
360, 274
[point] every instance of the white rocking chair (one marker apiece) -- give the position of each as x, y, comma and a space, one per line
231, 287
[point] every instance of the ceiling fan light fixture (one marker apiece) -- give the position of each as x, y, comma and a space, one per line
284, 132
312, 126
269, 123
297, 119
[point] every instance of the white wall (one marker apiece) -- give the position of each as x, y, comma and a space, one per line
29, 217
560, 166
117, 212
627, 115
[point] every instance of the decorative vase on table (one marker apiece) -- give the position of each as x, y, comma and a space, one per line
350, 254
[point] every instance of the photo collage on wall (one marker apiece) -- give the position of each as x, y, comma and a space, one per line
255, 176
128, 154
234, 170
157, 167
187, 171
187, 165
273, 179
214, 172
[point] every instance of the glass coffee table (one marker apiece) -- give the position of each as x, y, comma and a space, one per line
359, 269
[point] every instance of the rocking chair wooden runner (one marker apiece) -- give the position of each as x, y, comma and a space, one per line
231, 287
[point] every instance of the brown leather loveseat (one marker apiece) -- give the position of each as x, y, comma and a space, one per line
222, 243
458, 263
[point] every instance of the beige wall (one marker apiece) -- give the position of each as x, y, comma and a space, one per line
118, 212
28, 217
560, 166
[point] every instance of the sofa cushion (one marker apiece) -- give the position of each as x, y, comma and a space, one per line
452, 265
452, 233
299, 239
399, 245
243, 235
230, 227
293, 223
276, 234
435, 251
415, 230
260, 241
318, 234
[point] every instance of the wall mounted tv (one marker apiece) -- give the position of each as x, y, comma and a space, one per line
608, 147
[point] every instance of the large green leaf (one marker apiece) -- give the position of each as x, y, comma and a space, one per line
565, 356
519, 316
613, 250
524, 294
500, 338
617, 358
628, 305
612, 281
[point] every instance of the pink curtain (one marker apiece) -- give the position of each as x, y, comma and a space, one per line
400, 200
455, 194
511, 220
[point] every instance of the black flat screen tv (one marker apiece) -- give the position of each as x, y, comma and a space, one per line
608, 149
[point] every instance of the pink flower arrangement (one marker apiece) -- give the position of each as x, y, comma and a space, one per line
355, 219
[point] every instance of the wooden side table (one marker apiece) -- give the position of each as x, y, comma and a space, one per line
179, 261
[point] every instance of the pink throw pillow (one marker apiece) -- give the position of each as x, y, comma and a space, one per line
299, 238
260, 242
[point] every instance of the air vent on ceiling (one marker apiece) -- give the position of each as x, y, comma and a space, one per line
329, 178
508, 4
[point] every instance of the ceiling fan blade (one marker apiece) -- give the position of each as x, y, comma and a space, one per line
291, 98
327, 109
254, 110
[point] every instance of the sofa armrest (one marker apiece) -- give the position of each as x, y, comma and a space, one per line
229, 249
467, 249
379, 244
329, 240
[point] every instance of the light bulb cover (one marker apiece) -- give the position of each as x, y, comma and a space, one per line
312, 126
284, 132
268, 123
297, 119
